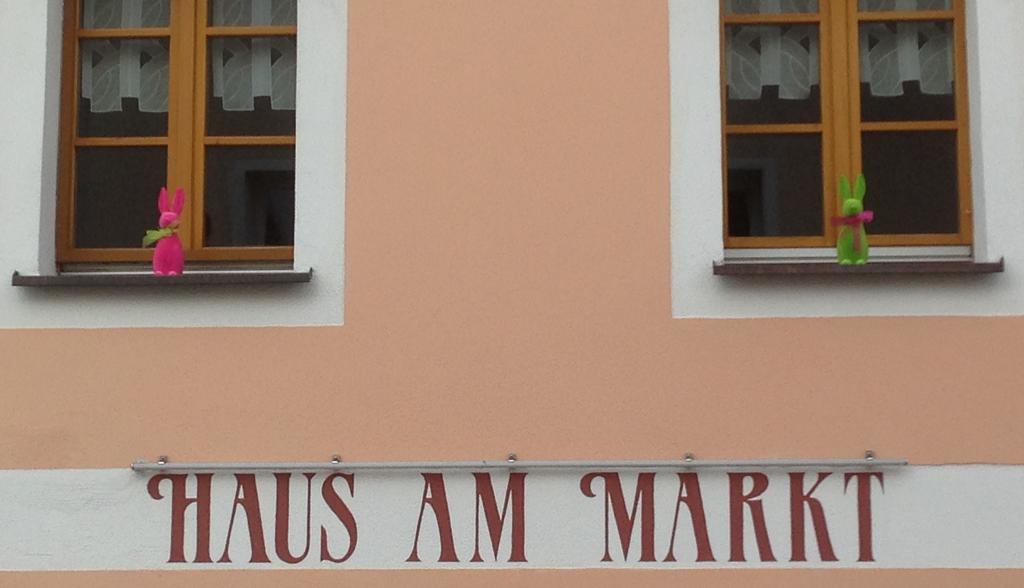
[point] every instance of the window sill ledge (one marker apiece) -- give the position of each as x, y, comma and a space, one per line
781, 268
199, 278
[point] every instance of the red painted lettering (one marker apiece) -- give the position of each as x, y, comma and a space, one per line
864, 509
624, 522
514, 492
282, 516
248, 498
340, 510
434, 495
736, 501
797, 500
179, 503
689, 494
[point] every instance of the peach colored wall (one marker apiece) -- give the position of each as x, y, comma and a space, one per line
508, 290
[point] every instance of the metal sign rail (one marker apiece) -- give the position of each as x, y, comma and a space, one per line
163, 464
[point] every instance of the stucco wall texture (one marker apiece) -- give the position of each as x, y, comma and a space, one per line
508, 290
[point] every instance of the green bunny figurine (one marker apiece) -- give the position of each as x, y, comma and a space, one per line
852, 242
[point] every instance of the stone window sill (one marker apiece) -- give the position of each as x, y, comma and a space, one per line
784, 268
196, 278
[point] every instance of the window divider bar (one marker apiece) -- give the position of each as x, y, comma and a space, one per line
723, 109
773, 129
244, 253
732, 242
909, 126
250, 31
133, 33
249, 140
963, 118
836, 151
850, 143
121, 142
767, 19
197, 144
70, 80
903, 15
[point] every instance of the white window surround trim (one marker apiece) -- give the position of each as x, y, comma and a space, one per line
31, 37
997, 151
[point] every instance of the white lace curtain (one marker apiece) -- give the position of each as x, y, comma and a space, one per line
788, 57
243, 69
126, 68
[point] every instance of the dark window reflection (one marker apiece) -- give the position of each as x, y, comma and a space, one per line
125, 14
244, 13
770, 6
912, 182
249, 196
775, 185
116, 194
912, 105
890, 5
772, 74
251, 83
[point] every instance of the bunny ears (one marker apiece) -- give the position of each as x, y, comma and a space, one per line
858, 191
177, 206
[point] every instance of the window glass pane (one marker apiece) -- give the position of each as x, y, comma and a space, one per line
904, 5
115, 194
907, 71
123, 88
770, 6
249, 196
772, 74
912, 181
125, 14
251, 86
775, 185
241, 13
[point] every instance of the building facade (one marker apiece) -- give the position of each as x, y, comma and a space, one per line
512, 262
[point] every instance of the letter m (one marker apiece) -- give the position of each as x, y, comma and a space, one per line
614, 500
515, 493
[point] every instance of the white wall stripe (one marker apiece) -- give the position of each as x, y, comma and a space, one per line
925, 517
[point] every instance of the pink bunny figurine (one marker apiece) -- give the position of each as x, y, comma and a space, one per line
168, 257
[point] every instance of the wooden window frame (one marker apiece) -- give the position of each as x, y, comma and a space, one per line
840, 124
188, 34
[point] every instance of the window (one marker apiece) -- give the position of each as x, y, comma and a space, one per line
815, 89
199, 94
35, 32
986, 182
